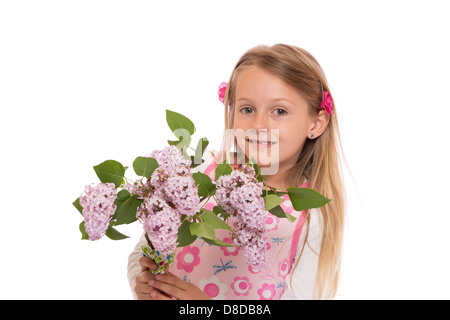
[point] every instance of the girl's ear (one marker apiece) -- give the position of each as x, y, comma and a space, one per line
319, 124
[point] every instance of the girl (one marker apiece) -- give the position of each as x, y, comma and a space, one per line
281, 94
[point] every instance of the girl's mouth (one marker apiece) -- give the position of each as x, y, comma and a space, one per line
260, 143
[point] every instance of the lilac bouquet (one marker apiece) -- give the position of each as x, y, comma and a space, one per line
239, 194
168, 199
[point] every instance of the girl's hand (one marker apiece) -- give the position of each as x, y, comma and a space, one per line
142, 287
173, 286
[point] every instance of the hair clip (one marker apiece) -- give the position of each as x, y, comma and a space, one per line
221, 92
327, 103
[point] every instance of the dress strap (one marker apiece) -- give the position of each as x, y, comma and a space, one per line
210, 168
296, 237
297, 231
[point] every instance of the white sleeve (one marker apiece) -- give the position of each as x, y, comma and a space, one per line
304, 276
133, 259
133, 264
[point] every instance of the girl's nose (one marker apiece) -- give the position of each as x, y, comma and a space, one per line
260, 122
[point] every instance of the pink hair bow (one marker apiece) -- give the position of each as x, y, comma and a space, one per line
327, 103
222, 90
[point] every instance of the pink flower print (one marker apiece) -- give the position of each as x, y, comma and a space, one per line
253, 271
188, 258
272, 222
214, 288
229, 250
266, 274
267, 292
283, 268
241, 286
287, 204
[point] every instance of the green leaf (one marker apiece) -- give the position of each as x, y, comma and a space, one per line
201, 147
178, 121
217, 242
305, 198
84, 235
202, 229
214, 221
183, 142
185, 237
113, 234
271, 201
205, 186
218, 210
173, 143
290, 217
280, 213
280, 193
222, 169
275, 192
77, 205
126, 213
144, 166
110, 171
122, 196
195, 162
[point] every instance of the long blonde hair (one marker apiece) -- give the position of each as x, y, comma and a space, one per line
319, 161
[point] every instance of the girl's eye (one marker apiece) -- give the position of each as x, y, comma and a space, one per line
280, 112
246, 110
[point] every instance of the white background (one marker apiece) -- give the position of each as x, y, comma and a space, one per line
86, 81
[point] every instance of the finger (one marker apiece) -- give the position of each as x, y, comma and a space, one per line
157, 295
142, 286
171, 279
147, 263
147, 296
143, 296
145, 277
167, 288
143, 290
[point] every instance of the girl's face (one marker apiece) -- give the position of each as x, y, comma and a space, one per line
269, 110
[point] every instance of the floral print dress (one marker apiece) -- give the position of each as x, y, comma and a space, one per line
222, 273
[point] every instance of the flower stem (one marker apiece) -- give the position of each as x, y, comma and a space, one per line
148, 241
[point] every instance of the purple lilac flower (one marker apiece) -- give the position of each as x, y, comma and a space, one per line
239, 194
226, 185
174, 178
253, 245
140, 187
183, 193
168, 194
161, 223
171, 162
249, 205
171, 181
98, 208
170, 158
